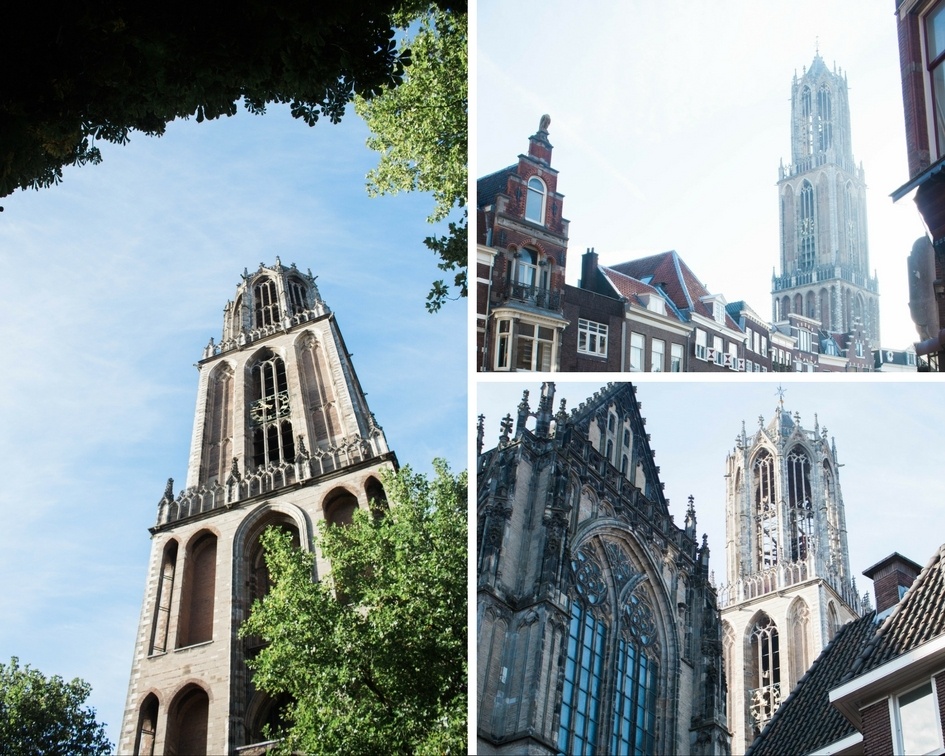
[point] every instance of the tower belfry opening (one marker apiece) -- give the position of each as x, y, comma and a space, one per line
283, 436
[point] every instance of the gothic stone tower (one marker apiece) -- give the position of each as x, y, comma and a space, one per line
824, 254
282, 436
789, 584
598, 631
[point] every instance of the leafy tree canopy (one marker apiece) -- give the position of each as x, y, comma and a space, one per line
420, 129
374, 657
46, 716
79, 73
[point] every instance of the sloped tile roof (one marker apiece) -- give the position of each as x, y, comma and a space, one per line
677, 279
489, 186
633, 288
807, 721
918, 618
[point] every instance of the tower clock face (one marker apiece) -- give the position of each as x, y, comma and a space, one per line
261, 410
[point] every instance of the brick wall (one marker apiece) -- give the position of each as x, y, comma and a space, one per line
877, 730
580, 303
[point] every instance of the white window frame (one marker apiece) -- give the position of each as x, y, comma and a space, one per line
637, 352
899, 746
656, 365
701, 345
675, 358
503, 345
592, 338
543, 192
718, 345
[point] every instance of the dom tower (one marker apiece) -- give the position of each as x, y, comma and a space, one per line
789, 585
824, 254
282, 436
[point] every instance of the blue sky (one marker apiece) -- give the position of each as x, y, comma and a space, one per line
114, 281
888, 436
669, 120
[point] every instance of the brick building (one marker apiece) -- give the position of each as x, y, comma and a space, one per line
598, 630
921, 28
282, 436
522, 245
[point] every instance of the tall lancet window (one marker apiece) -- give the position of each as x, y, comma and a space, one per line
807, 235
825, 122
766, 512
833, 514
853, 226
800, 507
218, 426
296, 292
807, 113
266, 299
273, 441
763, 672
799, 625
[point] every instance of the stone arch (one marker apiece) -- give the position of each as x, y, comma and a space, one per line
320, 400
789, 227
762, 670
147, 725
198, 592
265, 711
218, 425
266, 310
798, 305
833, 621
376, 495
810, 305
339, 506
785, 307
188, 721
824, 303
164, 598
798, 624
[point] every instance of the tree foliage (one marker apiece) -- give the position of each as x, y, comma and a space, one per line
374, 657
76, 74
40, 715
419, 127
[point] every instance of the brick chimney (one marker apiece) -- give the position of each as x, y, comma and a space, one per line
891, 578
588, 269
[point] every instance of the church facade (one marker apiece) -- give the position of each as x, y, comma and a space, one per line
825, 275
789, 588
597, 626
283, 436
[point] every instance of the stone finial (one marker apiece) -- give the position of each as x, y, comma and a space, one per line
480, 433
544, 122
169, 490
506, 428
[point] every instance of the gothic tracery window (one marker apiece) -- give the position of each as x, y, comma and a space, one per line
266, 299
807, 228
825, 120
766, 512
273, 441
612, 655
763, 671
801, 508
296, 295
799, 625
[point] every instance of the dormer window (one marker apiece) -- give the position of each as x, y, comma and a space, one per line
535, 201
718, 312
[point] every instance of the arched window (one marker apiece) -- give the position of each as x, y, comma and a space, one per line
376, 496
612, 666
266, 300
807, 114
296, 291
526, 270
218, 426
825, 121
766, 512
799, 626
197, 597
162, 603
257, 581
728, 663
147, 726
853, 225
339, 507
763, 672
187, 722
807, 229
800, 507
535, 200
319, 389
273, 441
266, 712
833, 622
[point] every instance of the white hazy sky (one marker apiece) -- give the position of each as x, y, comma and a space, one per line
669, 120
113, 283
888, 436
